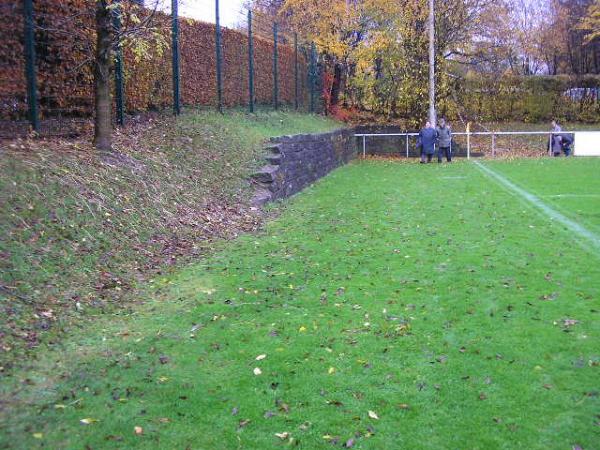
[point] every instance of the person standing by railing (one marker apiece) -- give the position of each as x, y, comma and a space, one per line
444, 141
427, 140
554, 146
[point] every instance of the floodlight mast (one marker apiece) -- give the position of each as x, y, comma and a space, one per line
431, 65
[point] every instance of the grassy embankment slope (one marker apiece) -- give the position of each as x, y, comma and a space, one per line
78, 235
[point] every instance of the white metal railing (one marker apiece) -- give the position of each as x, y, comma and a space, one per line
493, 134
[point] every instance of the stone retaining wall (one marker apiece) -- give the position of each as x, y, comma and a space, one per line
296, 161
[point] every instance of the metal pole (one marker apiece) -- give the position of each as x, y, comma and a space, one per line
250, 65
30, 65
312, 76
296, 71
218, 54
432, 117
364, 147
493, 145
407, 145
275, 69
175, 36
469, 140
119, 85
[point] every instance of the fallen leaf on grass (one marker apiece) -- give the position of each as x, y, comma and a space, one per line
482, 396
242, 423
257, 371
302, 329
373, 415
305, 426
283, 436
283, 407
138, 430
349, 443
331, 370
88, 421
403, 406
38, 435
260, 357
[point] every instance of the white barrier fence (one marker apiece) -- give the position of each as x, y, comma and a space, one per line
586, 143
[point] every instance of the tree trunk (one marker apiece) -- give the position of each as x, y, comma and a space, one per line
102, 119
336, 85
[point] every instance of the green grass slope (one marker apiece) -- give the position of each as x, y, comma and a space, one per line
389, 306
78, 234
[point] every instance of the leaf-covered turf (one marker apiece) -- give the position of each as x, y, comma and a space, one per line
78, 236
390, 306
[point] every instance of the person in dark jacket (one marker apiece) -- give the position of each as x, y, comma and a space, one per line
566, 139
444, 141
427, 141
555, 145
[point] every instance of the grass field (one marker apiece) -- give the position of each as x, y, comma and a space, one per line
391, 305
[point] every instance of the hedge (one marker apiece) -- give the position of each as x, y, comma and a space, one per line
65, 75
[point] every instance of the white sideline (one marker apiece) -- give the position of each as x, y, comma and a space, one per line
550, 212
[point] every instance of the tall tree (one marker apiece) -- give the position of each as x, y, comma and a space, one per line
102, 71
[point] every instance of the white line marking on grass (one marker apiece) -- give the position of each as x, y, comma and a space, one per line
550, 212
572, 196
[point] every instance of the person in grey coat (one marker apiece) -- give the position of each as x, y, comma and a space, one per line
554, 143
444, 141
427, 141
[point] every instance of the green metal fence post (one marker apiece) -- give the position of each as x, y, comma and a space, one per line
250, 65
175, 36
313, 75
30, 65
296, 71
275, 69
119, 85
218, 55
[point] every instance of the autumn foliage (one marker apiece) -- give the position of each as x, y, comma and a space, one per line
64, 47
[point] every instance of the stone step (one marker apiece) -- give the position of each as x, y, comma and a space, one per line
266, 174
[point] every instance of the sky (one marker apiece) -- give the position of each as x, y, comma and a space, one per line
204, 10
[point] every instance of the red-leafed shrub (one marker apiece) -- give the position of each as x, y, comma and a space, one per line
65, 40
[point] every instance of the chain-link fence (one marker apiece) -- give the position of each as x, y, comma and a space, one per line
161, 61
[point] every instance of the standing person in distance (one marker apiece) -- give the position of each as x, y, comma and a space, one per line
427, 140
556, 145
556, 128
444, 141
554, 141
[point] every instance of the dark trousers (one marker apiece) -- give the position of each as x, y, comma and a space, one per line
423, 155
567, 150
444, 151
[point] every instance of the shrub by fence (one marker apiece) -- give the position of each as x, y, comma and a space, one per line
527, 99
